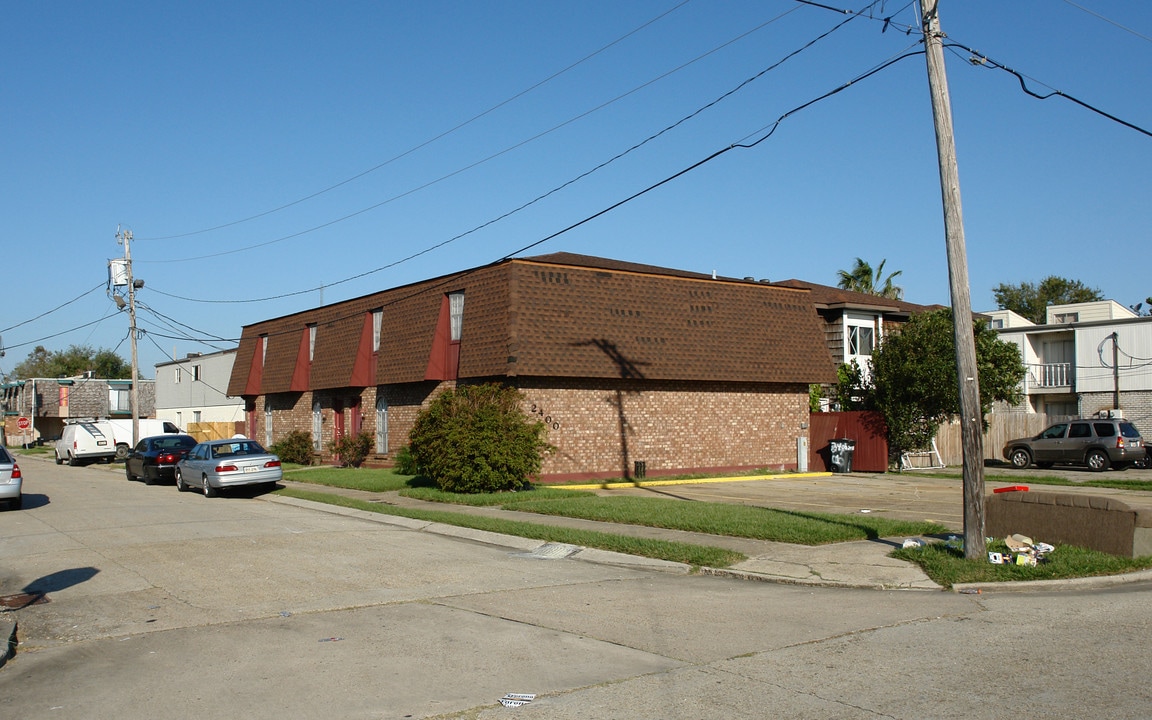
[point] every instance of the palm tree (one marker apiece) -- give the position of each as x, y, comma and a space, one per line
862, 279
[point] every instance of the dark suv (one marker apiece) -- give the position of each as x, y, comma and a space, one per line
1096, 443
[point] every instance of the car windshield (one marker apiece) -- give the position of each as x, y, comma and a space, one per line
176, 443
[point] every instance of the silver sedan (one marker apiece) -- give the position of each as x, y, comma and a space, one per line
11, 480
217, 464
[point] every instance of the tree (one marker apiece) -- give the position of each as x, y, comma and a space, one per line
76, 360
477, 438
1032, 301
913, 378
862, 279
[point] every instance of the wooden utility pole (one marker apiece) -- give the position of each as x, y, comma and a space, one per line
971, 418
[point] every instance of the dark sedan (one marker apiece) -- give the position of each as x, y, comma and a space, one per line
154, 458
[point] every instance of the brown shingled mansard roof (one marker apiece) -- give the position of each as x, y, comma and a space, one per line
561, 315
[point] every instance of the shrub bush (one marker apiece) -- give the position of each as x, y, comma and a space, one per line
352, 449
405, 463
476, 438
295, 447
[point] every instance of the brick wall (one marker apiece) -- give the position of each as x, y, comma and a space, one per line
600, 427
1136, 404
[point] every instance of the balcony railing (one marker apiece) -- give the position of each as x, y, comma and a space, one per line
1050, 375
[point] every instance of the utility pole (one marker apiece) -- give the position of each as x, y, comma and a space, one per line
1115, 371
126, 238
971, 417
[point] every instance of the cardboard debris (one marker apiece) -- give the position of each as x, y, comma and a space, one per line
1022, 550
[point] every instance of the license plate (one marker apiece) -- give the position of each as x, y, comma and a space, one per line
251, 469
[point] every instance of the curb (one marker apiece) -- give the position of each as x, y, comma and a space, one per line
1083, 583
8, 630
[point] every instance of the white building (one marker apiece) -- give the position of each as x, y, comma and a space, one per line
1087, 358
192, 393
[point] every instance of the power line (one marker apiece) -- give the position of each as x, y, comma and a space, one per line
488, 158
1108, 20
979, 59
58, 307
455, 277
425, 143
583, 175
62, 332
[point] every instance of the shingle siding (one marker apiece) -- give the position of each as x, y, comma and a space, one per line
631, 362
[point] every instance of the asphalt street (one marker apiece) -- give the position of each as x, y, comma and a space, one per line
170, 605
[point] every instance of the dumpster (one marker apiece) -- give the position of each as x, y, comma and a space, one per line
841, 450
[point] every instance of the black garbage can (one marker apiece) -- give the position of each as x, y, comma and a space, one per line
841, 450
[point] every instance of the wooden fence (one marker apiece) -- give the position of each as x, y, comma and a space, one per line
1002, 427
203, 431
866, 428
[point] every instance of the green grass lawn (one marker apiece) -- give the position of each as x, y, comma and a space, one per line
946, 565
370, 479
695, 555
713, 518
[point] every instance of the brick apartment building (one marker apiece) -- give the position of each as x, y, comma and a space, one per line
626, 363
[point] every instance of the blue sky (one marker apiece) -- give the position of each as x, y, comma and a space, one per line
419, 122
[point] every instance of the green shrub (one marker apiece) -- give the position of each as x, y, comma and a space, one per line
405, 463
352, 449
295, 447
476, 438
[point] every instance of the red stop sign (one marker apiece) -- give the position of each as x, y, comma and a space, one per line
23, 423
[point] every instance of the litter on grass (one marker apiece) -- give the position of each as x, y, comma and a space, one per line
517, 699
913, 543
1022, 550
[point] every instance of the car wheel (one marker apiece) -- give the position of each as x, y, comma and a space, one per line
181, 486
121, 452
128, 472
17, 503
72, 461
59, 460
148, 479
1097, 460
1021, 458
209, 491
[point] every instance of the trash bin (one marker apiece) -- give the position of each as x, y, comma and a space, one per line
841, 450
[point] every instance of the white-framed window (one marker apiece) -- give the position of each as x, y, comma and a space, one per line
195, 373
861, 340
456, 309
267, 424
263, 349
179, 419
119, 400
176, 376
317, 426
195, 416
311, 342
997, 323
377, 325
381, 424
1065, 318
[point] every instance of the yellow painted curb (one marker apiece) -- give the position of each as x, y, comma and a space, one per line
695, 481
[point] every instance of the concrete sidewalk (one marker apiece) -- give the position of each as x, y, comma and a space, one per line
862, 564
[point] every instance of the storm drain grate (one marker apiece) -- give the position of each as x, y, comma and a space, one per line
23, 600
553, 551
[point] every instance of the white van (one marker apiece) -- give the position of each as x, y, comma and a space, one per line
86, 441
122, 432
